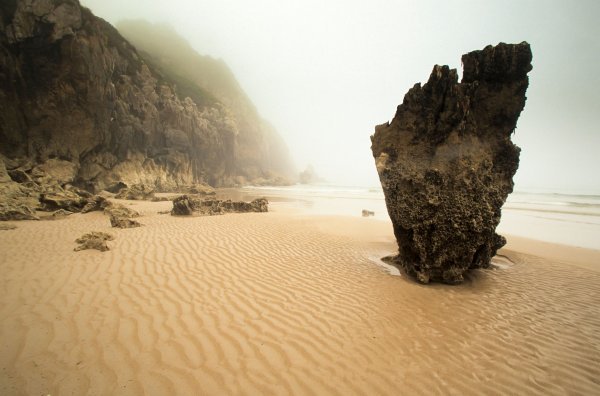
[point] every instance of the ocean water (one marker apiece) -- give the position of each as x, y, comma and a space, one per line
559, 217
570, 219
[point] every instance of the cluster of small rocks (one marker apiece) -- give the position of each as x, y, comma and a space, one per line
26, 189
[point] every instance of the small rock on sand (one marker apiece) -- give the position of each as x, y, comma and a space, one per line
94, 240
123, 222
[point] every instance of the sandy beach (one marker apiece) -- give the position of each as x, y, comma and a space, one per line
299, 198
284, 303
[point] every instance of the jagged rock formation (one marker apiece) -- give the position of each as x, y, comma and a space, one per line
95, 203
17, 201
123, 222
187, 205
93, 240
121, 216
118, 210
446, 162
136, 192
80, 101
25, 190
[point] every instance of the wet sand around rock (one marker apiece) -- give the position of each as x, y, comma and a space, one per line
284, 303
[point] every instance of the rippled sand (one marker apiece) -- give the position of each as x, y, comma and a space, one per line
280, 303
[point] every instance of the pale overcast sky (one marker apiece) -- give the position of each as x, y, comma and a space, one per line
326, 72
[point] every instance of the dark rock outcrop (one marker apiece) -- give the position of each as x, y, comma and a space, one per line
446, 162
187, 205
121, 216
81, 105
114, 209
94, 240
54, 197
25, 190
139, 192
95, 203
123, 222
62, 199
183, 206
17, 212
19, 176
17, 201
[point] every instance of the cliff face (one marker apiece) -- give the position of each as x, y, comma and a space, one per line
73, 90
208, 80
446, 162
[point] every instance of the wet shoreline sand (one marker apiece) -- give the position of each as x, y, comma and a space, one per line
284, 303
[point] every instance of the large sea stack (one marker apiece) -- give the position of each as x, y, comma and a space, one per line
446, 162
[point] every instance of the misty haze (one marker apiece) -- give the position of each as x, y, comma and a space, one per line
325, 74
277, 197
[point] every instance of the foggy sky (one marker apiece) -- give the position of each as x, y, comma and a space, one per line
324, 73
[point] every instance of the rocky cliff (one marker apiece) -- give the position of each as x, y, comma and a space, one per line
446, 162
259, 148
75, 94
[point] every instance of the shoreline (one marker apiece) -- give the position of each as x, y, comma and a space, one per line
572, 220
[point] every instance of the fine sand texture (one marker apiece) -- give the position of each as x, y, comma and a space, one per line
280, 303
